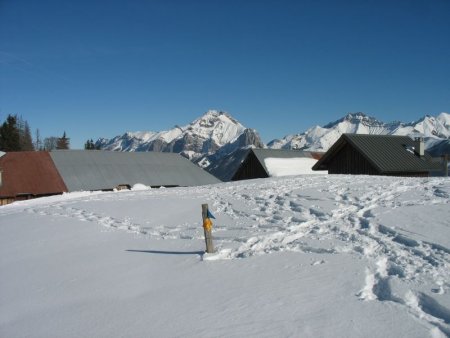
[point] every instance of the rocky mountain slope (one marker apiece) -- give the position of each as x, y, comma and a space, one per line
216, 138
433, 129
204, 136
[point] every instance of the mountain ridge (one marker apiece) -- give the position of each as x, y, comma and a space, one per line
217, 134
204, 136
319, 138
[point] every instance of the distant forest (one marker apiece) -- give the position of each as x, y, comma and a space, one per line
15, 135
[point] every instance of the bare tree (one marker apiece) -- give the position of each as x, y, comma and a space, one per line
38, 142
26, 141
50, 143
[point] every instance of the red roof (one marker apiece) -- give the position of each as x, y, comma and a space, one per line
29, 172
316, 155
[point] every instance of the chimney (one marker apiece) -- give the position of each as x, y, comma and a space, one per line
419, 146
444, 163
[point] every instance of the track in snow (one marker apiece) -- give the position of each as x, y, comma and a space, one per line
312, 214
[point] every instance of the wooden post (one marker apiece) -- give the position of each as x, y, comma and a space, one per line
207, 229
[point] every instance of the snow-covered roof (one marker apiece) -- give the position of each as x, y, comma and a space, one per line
99, 170
275, 162
280, 162
277, 167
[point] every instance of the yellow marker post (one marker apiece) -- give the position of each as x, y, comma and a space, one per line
207, 228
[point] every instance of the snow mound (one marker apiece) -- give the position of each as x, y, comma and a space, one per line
290, 166
140, 187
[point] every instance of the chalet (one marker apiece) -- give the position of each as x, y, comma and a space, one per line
262, 163
378, 155
28, 174
34, 174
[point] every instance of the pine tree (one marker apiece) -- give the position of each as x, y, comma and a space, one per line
63, 142
9, 135
90, 145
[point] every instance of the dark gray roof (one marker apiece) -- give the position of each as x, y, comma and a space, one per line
387, 153
262, 154
224, 167
98, 170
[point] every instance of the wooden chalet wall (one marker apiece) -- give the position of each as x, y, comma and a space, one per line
349, 161
250, 168
23, 197
6, 200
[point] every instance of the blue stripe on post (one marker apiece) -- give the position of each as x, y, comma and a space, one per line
210, 215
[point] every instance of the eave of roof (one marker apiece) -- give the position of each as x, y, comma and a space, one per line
323, 161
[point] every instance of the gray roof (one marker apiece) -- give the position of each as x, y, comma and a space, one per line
387, 153
262, 154
98, 170
225, 167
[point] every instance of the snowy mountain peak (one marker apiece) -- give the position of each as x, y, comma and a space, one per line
355, 118
438, 127
216, 125
214, 116
444, 118
433, 129
216, 134
204, 135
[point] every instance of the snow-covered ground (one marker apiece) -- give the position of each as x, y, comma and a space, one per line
278, 167
304, 256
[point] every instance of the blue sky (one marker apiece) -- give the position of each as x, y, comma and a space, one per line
100, 68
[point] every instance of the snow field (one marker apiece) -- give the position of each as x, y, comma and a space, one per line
328, 256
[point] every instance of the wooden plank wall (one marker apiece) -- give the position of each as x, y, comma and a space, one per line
349, 161
250, 168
